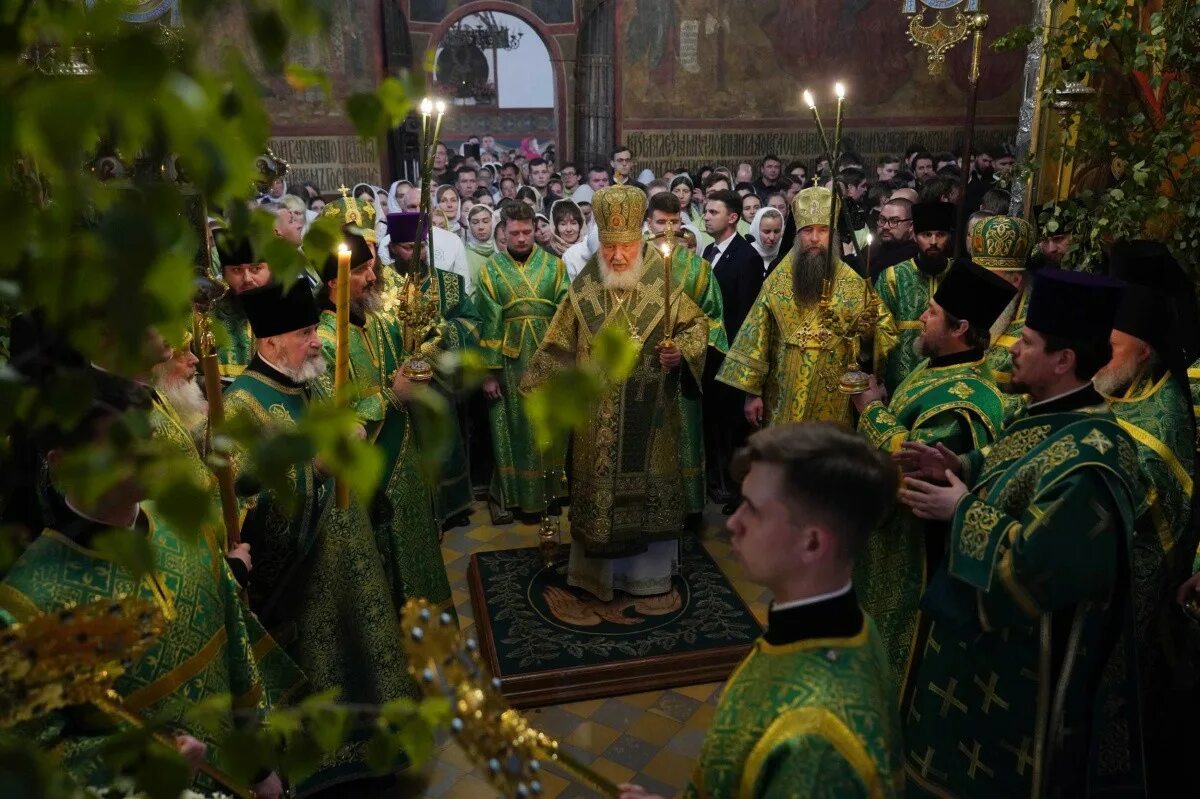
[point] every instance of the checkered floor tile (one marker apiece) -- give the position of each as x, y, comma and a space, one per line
651, 738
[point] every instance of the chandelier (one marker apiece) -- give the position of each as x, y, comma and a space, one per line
488, 36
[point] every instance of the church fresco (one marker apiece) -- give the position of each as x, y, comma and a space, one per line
727, 68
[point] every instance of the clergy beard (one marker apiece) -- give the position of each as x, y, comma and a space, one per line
621, 281
370, 301
313, 368
932, 265
1116, 378
186, 398
809, 273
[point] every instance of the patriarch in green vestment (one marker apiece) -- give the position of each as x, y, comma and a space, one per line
811, 710
627, 500
950, 400
453, 325
402, 510
905, 289
211, 645
1146, 385
695, 276
518, 292
1025, 680
320, 583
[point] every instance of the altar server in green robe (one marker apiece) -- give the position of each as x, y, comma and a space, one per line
448, 322
694, 275
1026, 680
904, 291
949, 400
811, 710
518, 291
211, 644
402, 510
320, 584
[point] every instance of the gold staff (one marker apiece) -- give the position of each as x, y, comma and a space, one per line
222, 467
446, 663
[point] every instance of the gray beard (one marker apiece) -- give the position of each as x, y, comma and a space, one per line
313, 368
809, 273
621, 281
370, 302
1116, 378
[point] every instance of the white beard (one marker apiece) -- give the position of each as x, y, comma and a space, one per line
1116, 378
188, 401
621, 281
313, 368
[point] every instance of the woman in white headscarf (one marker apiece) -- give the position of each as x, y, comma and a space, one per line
766, 236
480, 239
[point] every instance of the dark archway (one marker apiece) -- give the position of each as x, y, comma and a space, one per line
595, 84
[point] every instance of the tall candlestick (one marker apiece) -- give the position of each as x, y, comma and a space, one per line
867, 268
667, 251
812, 106
341, 373
835, 194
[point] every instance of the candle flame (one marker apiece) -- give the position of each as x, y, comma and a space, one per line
808, 99
870, 239
426, 106
343, 248
839, 90
665, 249
441, 107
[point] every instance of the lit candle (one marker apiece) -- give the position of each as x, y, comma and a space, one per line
835, 189
867, 268
341, 370
812, 106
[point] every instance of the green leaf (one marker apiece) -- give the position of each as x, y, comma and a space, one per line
367, 114
417, 739
433, 427
210, 714
561, 404
614, 353
129, 549
300, 78
383, 751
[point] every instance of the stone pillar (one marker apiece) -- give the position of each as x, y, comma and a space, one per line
595, 88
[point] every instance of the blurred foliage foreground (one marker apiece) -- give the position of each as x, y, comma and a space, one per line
105, 260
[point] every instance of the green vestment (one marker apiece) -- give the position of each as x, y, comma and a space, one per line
401, 511
1026, 684
211, 644
813, 718
904, 292
235, 341
695, 276
456, 327
517, 302
794, 357
627, 488
957, 405
319, 582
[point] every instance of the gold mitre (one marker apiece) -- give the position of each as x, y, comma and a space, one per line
619, 211
811, 207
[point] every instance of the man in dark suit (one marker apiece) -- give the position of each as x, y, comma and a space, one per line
738, 269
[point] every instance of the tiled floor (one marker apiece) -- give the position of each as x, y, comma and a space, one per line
649, 738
